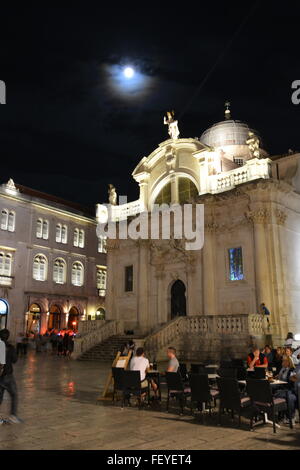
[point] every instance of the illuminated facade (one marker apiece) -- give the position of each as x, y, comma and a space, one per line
251, 251
52, 265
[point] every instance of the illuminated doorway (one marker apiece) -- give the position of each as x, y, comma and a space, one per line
33, 320
73, 319
54, 321
178, 299
100, 314
3, 313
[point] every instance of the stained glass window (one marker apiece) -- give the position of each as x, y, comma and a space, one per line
236, 270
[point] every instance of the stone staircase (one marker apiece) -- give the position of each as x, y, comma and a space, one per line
107, 350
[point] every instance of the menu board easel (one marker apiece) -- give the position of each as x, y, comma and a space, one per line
121, 362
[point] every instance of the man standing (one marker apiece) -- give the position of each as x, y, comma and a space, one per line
7, 380
2, 364
266, 313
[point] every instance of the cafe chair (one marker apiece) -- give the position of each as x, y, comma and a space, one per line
132, 386
201, 393
229, 373
225, 365
197, 368
238, 363
262, 399
176, 389
117, 374
231, 397
183, 371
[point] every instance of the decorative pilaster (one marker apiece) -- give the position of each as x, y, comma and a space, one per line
260, 217
209, 275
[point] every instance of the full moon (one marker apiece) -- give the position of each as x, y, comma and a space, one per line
128, 72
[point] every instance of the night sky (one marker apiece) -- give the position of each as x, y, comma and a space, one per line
70, 129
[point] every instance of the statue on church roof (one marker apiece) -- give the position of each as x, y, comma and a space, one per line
172, 124
112, 195
227, 110
253, 144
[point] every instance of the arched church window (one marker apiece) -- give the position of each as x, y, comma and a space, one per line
186, 190
164, 196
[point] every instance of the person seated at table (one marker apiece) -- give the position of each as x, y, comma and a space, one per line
286, 374
140, 363
277, 359
173, 364
269, 353
257, 359
289, 353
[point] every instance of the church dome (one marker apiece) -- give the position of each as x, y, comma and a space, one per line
228, 132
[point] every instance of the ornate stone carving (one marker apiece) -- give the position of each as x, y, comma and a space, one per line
170, 251
281, 216
112, 244
170, 159
259, 216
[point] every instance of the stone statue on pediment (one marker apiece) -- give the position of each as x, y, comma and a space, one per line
172, 124
253, 144
112, 195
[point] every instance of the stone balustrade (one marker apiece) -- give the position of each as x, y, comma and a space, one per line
253, 169
88, 326
94, 332
211, 331
124, 211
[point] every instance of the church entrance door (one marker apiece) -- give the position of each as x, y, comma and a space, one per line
178, 300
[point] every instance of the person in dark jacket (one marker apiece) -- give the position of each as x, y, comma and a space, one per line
7, 379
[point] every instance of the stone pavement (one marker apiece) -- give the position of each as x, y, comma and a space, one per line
58, 406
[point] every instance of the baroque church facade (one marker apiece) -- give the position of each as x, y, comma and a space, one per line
251, 252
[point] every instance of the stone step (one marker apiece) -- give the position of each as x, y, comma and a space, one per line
107, 350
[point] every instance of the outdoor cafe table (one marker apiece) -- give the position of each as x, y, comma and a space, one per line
274, 382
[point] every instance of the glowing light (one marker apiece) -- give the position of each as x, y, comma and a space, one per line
128, 72
297, 337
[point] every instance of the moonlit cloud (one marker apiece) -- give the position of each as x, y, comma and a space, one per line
128, 82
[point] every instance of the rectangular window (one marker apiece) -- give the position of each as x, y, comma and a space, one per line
236, 269
129, 279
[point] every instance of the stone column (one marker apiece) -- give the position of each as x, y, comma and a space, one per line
44, 322
277, 245
160, 277
263, 264
142, 294
174, 189
209, 274
144, 194
112, 249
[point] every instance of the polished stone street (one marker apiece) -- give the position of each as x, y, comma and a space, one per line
59, 409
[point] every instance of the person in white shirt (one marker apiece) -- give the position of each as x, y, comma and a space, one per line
140, 363
289, 340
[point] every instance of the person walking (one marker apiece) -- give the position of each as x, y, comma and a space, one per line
2, 364
7, 379
70, 344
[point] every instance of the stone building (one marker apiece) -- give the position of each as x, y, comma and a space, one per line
251, 250
52, 265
